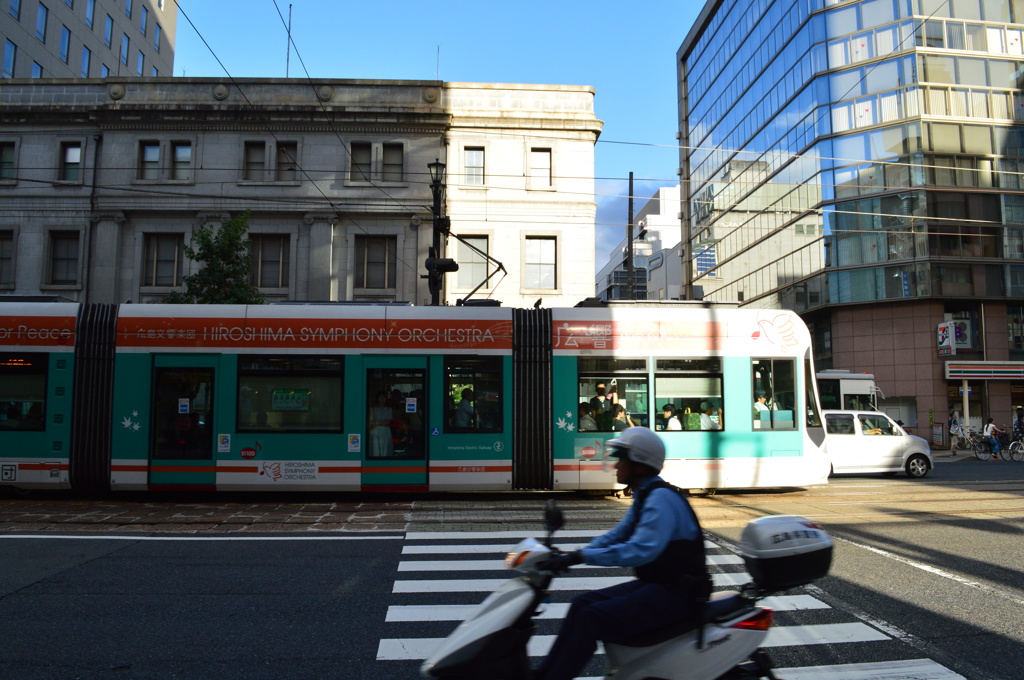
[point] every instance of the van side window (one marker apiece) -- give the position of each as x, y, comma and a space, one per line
839, 423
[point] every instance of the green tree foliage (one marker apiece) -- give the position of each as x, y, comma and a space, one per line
225, 265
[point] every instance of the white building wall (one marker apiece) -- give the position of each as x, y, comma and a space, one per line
508, 122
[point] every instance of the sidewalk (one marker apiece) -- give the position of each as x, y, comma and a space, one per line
944, 456
324, 513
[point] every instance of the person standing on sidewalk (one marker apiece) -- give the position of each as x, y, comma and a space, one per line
953, 426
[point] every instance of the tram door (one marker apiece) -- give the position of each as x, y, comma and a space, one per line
181, 451
395, 449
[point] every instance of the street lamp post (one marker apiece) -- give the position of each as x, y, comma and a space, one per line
437, 266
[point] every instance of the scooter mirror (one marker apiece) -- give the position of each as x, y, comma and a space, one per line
553, 519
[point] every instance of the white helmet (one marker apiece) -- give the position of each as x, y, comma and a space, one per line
639, 445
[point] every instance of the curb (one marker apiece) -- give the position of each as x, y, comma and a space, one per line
947, 457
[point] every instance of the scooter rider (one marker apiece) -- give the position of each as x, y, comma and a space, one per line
660, 537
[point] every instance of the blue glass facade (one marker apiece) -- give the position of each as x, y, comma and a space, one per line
849, 152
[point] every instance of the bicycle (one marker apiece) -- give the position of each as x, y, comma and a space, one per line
1004, 445
1014, 452
979, 444
971, 440
959, 439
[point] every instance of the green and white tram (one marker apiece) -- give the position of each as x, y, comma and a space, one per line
399, 398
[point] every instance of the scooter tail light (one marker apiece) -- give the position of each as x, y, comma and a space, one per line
515, 559
762, 620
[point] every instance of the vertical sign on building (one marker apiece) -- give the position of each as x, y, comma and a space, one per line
946, 336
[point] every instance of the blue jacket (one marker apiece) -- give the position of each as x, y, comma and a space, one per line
665, 518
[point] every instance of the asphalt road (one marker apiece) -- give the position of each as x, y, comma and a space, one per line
132, 608
143, 587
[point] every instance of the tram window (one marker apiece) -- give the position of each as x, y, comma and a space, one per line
23, 392
691, 389
473, 394
606, 384
289, 394
774, 385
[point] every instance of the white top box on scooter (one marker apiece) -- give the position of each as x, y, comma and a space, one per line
785, 551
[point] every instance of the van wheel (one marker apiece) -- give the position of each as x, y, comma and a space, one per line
917, 467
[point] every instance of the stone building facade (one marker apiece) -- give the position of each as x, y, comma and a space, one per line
104, 181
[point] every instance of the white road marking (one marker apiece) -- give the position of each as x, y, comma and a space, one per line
516, 536
822, 634
557, 610
416, 649
911, 669
497, 565
868, 629
489, 548
935, 570
486, 585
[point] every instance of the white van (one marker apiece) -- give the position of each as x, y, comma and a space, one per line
869, 441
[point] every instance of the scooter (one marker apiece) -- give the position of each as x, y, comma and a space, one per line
779, 551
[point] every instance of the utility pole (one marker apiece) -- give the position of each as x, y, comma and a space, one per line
288, 57
629, 244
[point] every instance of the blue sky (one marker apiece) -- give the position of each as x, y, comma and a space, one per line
625, 51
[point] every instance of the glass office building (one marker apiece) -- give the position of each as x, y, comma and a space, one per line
862, 162
88, 38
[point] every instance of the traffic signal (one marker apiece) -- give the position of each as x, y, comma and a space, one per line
437, 267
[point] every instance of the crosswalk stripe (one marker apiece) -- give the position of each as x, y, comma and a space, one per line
417, 649
514, 536
499, 548
558, 610
912, 669
496, 565
456, 549
458, 612
792, 603
918, 669
822, 634
452, 565
487, 585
